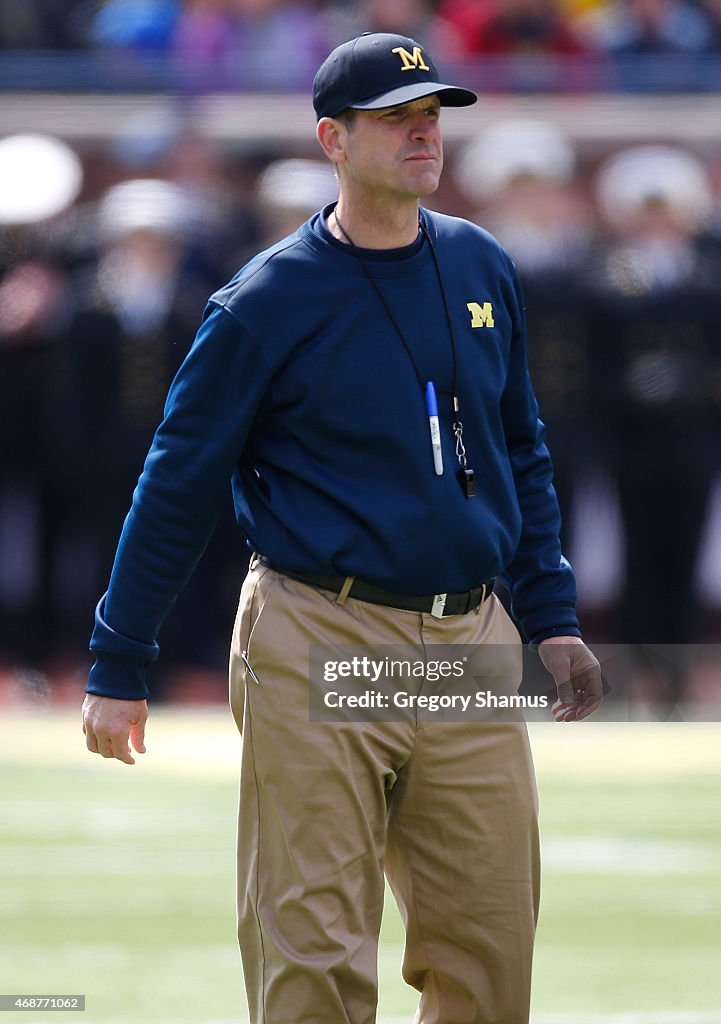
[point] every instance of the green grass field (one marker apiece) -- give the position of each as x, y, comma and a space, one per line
117, 882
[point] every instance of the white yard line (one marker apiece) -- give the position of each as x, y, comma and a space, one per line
668, 1017
665, 1017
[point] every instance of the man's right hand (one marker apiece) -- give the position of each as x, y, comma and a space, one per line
111, 725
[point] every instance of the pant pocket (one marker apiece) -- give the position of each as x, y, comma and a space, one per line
240, 672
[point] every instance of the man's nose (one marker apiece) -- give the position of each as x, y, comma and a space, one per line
422, 126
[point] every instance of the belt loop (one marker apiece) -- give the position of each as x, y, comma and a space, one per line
345, 590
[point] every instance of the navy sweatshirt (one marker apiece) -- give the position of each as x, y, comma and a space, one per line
299, 388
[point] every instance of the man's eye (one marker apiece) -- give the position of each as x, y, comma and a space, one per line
397, 114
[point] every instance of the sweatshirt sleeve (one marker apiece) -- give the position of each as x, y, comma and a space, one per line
541, 581
187, 474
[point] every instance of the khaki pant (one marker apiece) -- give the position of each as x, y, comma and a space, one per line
447, 809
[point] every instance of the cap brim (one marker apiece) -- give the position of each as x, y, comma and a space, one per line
449, 95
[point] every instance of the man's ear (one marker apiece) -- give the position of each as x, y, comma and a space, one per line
331, 135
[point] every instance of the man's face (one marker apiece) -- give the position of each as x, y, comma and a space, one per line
395, 151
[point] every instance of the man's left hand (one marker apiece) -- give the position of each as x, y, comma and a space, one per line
577, 674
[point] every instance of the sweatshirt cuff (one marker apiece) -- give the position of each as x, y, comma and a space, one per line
553, 618
544, 634
119, 676
120, 662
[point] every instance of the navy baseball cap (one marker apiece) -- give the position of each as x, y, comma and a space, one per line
380, 69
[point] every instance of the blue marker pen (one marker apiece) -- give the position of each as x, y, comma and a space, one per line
432, 406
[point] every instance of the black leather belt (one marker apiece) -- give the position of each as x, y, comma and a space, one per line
439, 605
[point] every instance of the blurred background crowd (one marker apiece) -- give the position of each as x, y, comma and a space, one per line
301, 31
110, 244
575, 44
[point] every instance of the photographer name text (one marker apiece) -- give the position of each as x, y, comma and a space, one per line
403, 699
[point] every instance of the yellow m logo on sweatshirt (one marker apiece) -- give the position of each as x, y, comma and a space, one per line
481, 315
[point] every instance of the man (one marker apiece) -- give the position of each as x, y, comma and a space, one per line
314, 381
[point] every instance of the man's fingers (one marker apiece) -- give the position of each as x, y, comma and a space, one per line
583, 706
137, 737
91, 740
122, 752
105, 747
564, 711
117, 747
587, 708
568, 693
110, 747
565, 691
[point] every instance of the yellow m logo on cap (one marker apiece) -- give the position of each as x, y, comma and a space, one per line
413, 60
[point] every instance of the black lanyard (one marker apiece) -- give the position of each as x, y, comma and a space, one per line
465, 476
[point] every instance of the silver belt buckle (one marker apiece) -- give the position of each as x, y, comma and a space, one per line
439, 603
